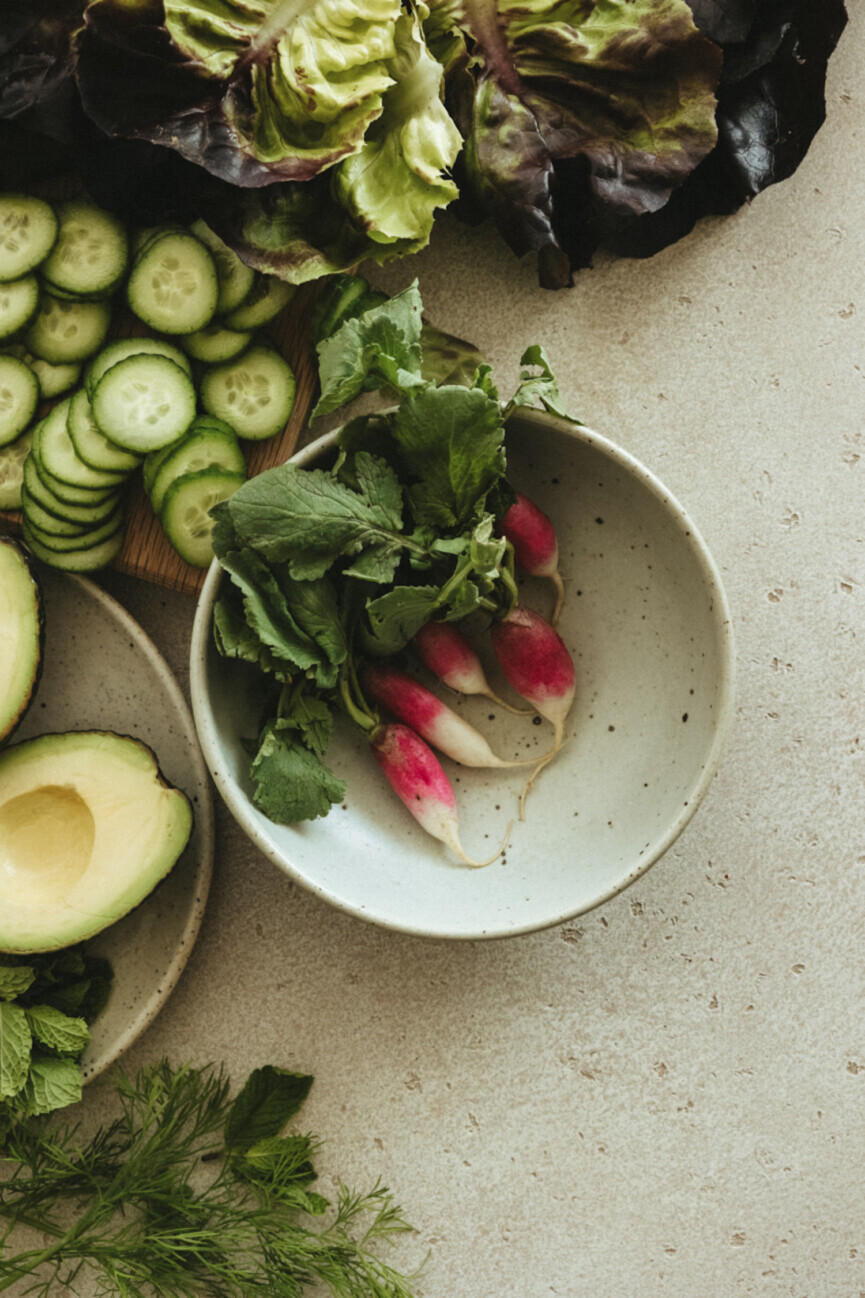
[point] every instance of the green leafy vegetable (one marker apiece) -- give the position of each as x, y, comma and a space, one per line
325, 562
46, 1003
187, 1193
291, 781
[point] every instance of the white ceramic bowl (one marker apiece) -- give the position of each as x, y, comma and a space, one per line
647, 621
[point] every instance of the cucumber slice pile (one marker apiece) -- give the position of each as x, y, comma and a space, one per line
67, 468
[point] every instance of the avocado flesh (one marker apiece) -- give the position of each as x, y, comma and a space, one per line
20, 635
88, 828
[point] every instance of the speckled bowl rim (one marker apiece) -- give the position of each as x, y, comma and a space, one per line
238, 803
204, 816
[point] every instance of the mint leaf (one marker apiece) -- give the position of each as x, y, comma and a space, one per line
291, 783
451, 443
68, 1036
15, 1045
539, 387
270, 1097
51, 1084
15, 980
307, 519
377, 349
399, 614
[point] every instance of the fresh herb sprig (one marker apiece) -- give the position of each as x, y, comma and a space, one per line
329, 566
189, 1193
46, 1004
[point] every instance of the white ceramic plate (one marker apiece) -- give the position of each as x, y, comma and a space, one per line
101, 672
647, 621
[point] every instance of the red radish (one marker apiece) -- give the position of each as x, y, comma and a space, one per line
536, 549
450, 657
535, 661
414, 704
416, 776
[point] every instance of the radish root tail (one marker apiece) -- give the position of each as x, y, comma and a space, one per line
556, 579
509, 707
479, 865
545, 761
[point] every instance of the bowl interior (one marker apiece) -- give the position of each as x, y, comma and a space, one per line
647, 623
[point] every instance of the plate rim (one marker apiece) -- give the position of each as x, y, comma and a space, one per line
204, 814
237, 802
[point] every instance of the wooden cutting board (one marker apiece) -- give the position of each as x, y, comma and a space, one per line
146, 552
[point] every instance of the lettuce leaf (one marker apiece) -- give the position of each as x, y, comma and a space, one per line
587, 113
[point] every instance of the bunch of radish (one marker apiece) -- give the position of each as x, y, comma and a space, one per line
534, 661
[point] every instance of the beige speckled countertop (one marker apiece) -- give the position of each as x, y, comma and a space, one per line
665, 1097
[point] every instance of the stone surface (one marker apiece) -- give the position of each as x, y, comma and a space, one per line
666, 1096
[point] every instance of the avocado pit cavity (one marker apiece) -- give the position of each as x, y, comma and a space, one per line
46, 843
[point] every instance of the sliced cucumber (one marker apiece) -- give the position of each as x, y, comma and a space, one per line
54, 380
77, 560
144, 402
234, 276
45, 522
265, 300
84, 540
215, 344
19, 302
28, 229
204, 450
12, 459
254, 393
19, 397
173, 286
91, 251
122, 348
64, 332
55, 452
186, 511
92, 446
85, 515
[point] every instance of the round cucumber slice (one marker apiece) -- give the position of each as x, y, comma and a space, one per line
234, 276
264, 301
255, 393
65, 332
186, 511
123, 348
173, 286
12, 459
28, 230
19, 397
204, 450
45, 522
144, 402
19, 302
215, 344
92, 446
91, 252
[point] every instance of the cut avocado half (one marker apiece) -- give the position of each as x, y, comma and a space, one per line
88, 828
22, 625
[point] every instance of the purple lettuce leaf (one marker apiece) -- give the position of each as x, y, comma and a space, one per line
771, 105
585, 115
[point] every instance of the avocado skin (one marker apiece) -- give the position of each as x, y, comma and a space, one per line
160, 777
28, 562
